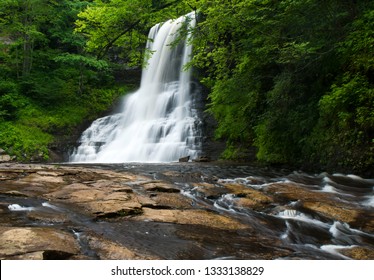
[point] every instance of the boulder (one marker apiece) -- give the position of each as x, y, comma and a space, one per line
184, 159
202, 159
5, 158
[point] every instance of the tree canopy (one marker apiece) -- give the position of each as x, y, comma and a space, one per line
292, 78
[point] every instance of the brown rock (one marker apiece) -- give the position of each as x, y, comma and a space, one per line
191, 217
343, 212
113, 208
159, 186
5, 175
75, 193
37, 178
171, 200
324, 204
39, 255
184, 159
292, 191
50, 173
173, 174
113, 185
49, 218
109, 250
5, 158
248, 197
335, 212
15, 193
358, 253
202, 159
101, 202
147, 201
210, 191
23, 241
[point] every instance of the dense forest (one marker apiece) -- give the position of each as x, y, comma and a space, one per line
292, 78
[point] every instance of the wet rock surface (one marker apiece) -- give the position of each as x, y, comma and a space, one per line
181, 211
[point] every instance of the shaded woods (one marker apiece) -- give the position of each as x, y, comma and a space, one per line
292, 78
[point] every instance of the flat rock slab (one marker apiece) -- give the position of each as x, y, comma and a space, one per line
15, 242
210, 191
249, 197
48, 217
160, 187
109, 250
170, 200
98, 201
191, 217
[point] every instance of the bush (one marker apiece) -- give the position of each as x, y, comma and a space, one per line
24, 142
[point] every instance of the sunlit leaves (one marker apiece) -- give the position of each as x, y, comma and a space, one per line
122, 25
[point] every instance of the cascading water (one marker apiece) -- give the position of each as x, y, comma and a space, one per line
158, 122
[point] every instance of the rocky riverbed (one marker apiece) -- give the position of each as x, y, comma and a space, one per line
182, 211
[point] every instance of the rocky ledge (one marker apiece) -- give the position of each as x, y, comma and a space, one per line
74, 212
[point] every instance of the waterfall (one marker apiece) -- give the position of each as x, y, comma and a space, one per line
158, 122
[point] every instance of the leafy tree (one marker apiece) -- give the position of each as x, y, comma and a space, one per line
345, 131
120, 27
45, 72
280, 73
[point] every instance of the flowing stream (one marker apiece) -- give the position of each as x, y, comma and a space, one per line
291, 226
158, 123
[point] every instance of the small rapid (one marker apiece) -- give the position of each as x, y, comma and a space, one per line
257, 213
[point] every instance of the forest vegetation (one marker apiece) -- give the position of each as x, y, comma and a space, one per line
293, 78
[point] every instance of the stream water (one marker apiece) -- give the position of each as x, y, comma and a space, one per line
283, 230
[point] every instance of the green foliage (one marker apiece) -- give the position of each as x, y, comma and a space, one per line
10, 100
48, 84
293, 78
81, 61
24, 142
121, 26
345, 131
344, 134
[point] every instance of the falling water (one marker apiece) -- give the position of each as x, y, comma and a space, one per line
158, 122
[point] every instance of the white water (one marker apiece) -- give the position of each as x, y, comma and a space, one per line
17, 207
157, 122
